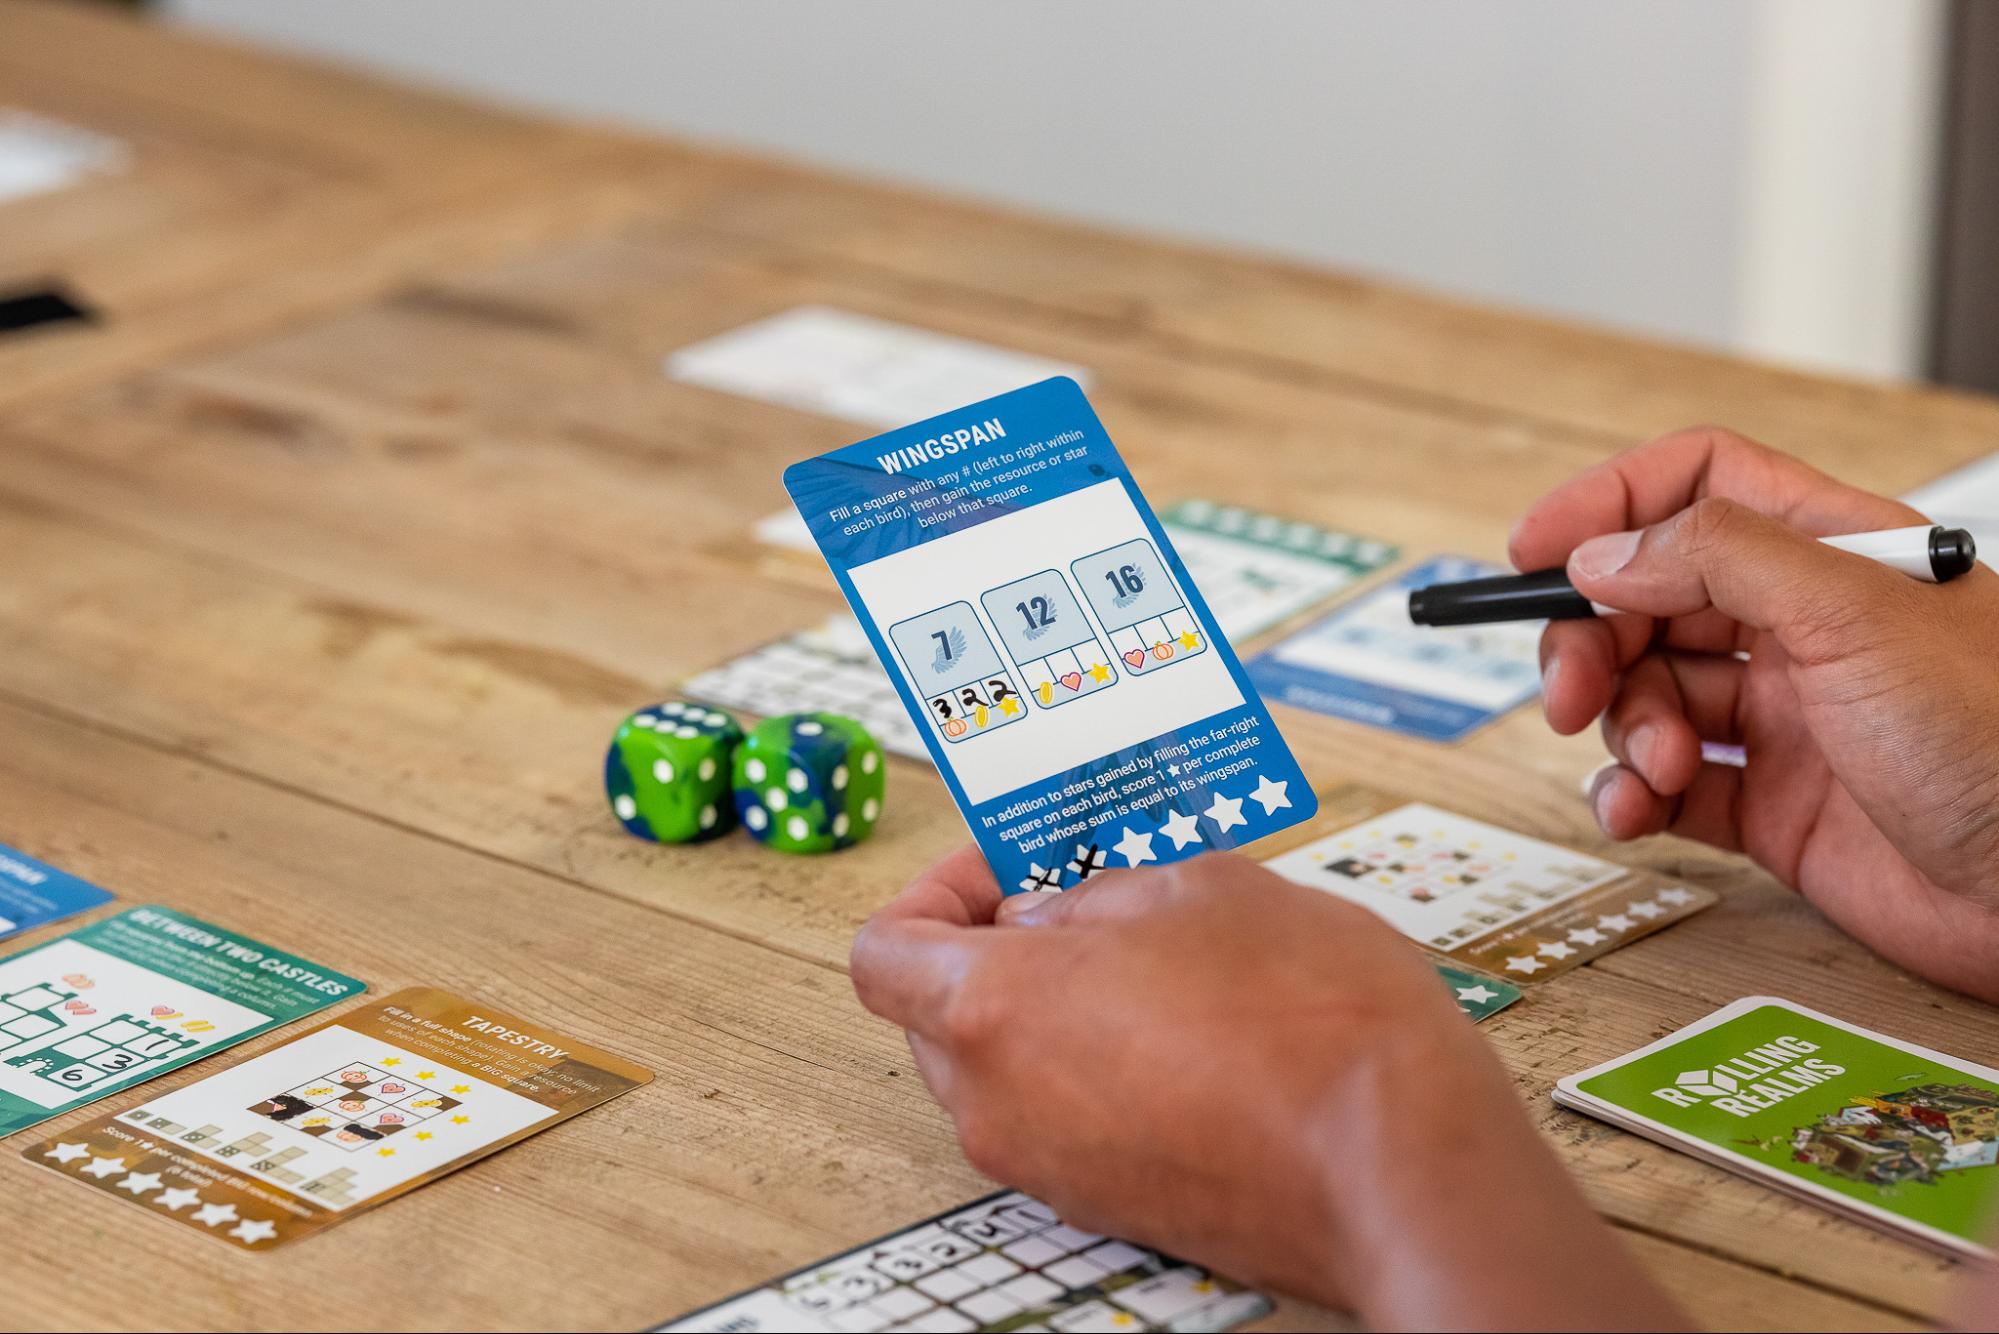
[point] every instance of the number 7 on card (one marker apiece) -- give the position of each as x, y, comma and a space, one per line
1062, 668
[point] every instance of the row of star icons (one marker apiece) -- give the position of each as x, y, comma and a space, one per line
173, 1199
1183, 827
1610, 924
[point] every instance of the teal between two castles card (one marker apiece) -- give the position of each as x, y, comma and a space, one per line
1065, 673
119, 1001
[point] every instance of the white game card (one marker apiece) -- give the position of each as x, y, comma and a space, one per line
1005, 1262
39, 155
867, 370
829, 668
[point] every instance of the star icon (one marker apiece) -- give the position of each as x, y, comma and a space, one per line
461, 1088
1587, 935
460, 1120
1173, 769
385, 1152
176, 1199
68, 1153
1270, 795
1189, 640
1614, 923
422, 1135
1010, 705
104, 1167
1039, 879
1477, 995
1526, 965
392, 1060
209, 1215
141, 1182
253, 1229
1555, 949
1182, 828
1134, 848
1226, 812
426, 1074
1100, 672
1676, 896
1645, 910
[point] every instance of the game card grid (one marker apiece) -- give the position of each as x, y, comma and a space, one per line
1258, 569
349, 1114
1366, 662
1498, 901
33, 893
1004, 1262
1882, 1131
124, 999
1024, 598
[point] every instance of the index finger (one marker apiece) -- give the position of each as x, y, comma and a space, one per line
912, 955
1657, 480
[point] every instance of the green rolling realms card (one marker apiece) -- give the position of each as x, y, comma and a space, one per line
121, 1000
1889, 1133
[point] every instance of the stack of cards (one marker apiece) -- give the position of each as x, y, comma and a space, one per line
1005, 1262
1891, 1134
1368, 663
346, 1115
1480, 895
133, 996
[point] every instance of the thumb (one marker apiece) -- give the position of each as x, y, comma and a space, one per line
1746, 565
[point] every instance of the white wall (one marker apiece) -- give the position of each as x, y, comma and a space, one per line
1751, 175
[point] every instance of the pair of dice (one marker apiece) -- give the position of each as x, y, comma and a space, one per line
802, 782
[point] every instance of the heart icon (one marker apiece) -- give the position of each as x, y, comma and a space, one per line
165, 1012
394, 1088
1136, 658
1073, 680
81, 981
390, 1119
79, 1007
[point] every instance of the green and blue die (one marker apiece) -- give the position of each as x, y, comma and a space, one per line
809, 782
667, 773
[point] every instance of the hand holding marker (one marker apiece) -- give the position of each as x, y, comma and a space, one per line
1931, 553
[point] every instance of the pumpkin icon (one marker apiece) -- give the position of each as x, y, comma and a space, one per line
955, 727
1162, 651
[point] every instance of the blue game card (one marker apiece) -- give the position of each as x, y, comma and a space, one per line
33, 892
1367, 662
1064, 672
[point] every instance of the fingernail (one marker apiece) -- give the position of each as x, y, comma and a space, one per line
1599, 803
1026, 909
1590, 781
1642, 744
1603, 556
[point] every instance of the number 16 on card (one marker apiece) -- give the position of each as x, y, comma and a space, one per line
1147, 619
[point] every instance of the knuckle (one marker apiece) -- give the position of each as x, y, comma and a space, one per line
1709, 523
972, 1012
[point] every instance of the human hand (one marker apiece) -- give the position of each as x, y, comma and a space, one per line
1868, 705
1259, 1077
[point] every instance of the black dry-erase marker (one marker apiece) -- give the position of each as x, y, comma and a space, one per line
1932, 553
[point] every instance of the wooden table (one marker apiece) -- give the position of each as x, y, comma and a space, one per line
317, 625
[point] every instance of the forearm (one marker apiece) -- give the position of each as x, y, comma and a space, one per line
1470, 1222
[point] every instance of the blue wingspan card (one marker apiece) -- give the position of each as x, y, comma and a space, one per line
33, 892
1062, 668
